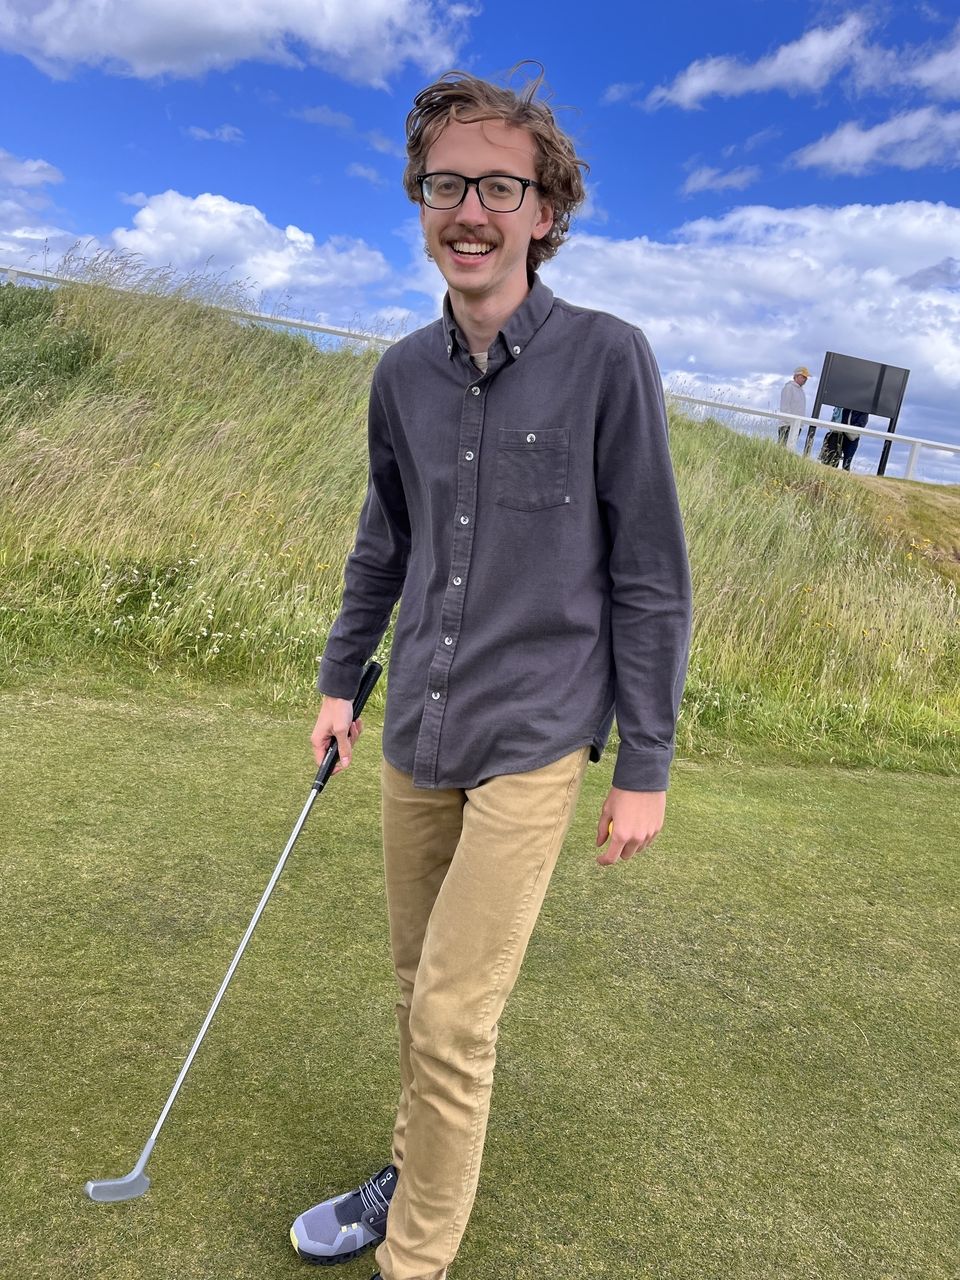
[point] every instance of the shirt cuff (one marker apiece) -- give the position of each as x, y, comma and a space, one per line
642, 769
339, 679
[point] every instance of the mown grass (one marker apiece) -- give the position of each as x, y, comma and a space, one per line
733, 1059
181, 502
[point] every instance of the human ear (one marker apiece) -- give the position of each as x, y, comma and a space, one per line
544, 220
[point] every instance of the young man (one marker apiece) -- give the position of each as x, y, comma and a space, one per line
521, 505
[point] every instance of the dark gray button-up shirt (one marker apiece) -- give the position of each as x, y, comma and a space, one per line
527, 520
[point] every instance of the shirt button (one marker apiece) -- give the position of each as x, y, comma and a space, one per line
475, 391
464, 519
516, 351
448, 639
435, 697
469, 455
457, 581
530, 438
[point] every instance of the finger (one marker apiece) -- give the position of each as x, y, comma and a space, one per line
343, 745
612, 854
604, 828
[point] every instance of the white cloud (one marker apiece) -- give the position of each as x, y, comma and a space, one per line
808, 64
911, 140
759, 290
803, 66
327, 117
386, 146
225, 133
367, 173
707, 179
365, 41
939, 74
394, 321
26, 173
754, 141
28, 238
213, 234
939, 275
620, 93
591, 210
761, 137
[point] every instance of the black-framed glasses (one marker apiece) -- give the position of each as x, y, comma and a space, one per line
498, 192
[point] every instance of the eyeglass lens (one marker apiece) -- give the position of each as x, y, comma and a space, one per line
498, 191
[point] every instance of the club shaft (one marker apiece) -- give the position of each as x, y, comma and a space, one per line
232, 969
367, 682
136, 1182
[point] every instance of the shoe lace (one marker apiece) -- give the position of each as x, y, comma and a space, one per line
372, 1197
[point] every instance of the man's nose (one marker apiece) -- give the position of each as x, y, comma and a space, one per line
472, 210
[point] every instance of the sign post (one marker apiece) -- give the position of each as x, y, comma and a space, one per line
863, 385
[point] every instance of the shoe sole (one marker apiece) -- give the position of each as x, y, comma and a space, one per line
330, 1262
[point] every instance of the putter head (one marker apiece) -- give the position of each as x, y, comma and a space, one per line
108, 1190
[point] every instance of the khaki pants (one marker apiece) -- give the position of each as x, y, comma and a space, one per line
466, 875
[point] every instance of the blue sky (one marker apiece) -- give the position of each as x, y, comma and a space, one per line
768, 181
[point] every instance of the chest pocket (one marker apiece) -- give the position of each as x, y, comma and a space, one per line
532, 468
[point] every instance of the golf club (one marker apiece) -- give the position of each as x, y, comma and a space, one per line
136, 1182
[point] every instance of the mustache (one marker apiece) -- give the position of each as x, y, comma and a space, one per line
450, 236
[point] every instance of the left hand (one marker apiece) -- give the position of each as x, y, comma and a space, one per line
631, 820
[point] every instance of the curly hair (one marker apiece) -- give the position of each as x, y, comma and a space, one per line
457, 95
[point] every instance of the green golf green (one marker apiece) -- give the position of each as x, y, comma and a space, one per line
734, 1057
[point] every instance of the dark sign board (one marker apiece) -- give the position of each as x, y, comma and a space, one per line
862, 384
865, 385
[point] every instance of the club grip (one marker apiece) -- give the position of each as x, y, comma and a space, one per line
369, 678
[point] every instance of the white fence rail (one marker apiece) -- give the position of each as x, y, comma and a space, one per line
13, 273
914, 443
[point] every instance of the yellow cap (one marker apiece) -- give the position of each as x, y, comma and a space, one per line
802, 368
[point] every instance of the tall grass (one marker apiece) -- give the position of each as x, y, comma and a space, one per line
182, 491
191, 499
814, 628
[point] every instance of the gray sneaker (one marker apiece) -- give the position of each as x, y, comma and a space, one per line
345, 1226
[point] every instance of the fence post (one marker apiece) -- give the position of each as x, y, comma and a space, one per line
912, 460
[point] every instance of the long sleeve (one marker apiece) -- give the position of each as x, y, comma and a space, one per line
376, 568
792, 400
650, 579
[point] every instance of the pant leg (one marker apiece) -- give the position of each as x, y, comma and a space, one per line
472, 948
830, 449
850, 445
421, 830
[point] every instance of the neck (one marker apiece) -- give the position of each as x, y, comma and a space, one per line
480, 319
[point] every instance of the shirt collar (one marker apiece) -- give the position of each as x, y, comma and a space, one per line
517, 331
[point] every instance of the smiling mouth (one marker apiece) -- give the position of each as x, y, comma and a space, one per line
470, 248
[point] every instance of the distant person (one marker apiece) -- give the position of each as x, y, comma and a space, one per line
840, 446
792, 400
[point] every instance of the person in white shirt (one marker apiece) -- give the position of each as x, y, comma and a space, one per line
792, 400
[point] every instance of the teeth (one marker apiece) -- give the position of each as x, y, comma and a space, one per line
469, 246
